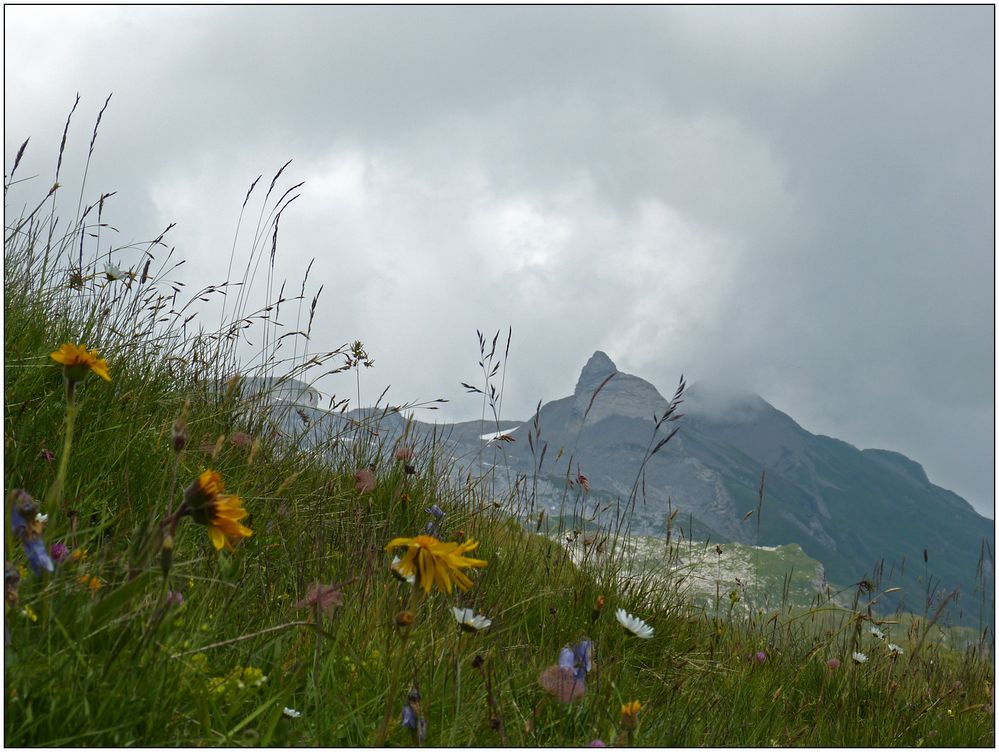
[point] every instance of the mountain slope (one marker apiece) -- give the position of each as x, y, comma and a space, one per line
868, 513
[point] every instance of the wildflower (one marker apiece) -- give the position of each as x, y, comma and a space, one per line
409, 579
438, 514
60, 551
433, 561
403, 454
175, 598
241, 439
629, 711
114, 273
633, 625
178, 434
597, 743
365, 480
567, 680
28, 525
220, 512
90, 581
76, 360
859, 657
409, 716
46, 454
582, 657
832, 664
877, 633
598, 608
469, 621
562, 683
412, 716
79, 554
291, 713
29, 613
323, 597
254, 677
758, 657
894, 649
404, 618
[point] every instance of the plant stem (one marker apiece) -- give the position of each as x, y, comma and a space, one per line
457, 687
394, 683
393, 688
54, 496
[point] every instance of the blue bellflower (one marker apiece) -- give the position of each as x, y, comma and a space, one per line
438, 514
27, 525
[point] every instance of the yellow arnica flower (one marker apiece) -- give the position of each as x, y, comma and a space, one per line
630, 709
77, 360
432, 561
220, 512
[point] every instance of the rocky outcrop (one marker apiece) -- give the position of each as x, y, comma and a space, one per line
623, 396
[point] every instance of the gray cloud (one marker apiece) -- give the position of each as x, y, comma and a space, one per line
796, 199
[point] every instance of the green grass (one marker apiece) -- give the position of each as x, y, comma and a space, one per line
120, 666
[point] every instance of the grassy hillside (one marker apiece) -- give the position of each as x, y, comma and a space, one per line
143, 633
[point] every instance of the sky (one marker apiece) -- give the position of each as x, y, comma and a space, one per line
794, 200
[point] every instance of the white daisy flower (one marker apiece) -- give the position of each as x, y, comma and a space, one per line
893, 648
43, 518
469, 621
409, 579
634, 625
877, 633
291, 713
113, 272
859, 657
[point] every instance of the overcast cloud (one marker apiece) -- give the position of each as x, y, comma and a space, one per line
795, 200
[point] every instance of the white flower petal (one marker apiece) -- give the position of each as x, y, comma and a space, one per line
469, 621
634, 625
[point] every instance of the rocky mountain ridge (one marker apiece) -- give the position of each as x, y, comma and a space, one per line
864, 514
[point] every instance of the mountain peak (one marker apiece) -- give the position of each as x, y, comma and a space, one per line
597, 368
623, 396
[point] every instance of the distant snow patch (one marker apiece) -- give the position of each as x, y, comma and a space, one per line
487, 437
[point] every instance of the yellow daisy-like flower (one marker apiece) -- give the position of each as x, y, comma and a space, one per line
76, 360
220, 512
433, 561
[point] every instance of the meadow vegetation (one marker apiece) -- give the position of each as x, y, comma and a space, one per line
142, 607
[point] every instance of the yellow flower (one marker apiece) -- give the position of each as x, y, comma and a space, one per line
29, 613
629, 710
432, 561
91, 582
220, 512
77, 359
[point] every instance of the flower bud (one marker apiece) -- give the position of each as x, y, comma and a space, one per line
404, 619
166, 554
598, 608
179, 431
